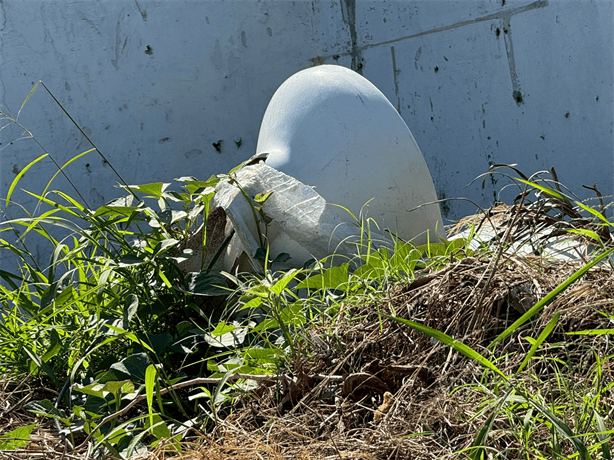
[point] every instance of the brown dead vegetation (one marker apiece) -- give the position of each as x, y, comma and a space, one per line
371, 388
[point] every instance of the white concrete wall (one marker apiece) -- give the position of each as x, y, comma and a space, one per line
170, 88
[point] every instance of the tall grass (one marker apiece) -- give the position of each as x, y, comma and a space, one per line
113, 322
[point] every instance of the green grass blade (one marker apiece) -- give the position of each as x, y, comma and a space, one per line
23, 104
20, 175
550, 297
544, 189
42, 365
217, 391
540, 339
562, 428
478, 443
55, 204
451, 342
59, 171
36, 221
592, 332
594, 212
602, 436
71, 200
585, 232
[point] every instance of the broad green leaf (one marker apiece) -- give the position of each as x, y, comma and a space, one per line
232, 339
93, 389
160, 342
118, 387
100, 390
130, 260
46, 408
157, 427
164, 245
207, 284
332, 278
17, 438
281, 284
281, 258
153, 190
293, 314
266, 324
263, 353
131, 306
54, 347
253, 303
111, 210
223, 328
186, 179
128, 335
262, 197
133, 368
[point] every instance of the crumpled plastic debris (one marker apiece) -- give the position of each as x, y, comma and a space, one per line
294, 220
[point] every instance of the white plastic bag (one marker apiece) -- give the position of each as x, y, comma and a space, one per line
294, 219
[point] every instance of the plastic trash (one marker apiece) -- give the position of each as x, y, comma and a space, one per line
329, 137
294, 220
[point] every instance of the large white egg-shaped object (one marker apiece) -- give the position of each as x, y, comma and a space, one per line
331, 128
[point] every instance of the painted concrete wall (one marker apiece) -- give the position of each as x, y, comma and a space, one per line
169, 88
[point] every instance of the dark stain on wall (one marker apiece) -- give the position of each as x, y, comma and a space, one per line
218, 146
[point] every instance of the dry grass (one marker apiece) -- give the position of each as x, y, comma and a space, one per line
425, 419
372, 388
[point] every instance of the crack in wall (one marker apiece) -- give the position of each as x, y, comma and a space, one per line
395, 73
348, 11
348, 14
511, 61
118, 48
501, 15
143, 13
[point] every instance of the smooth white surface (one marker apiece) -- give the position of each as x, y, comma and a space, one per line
158, 84
332, 129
